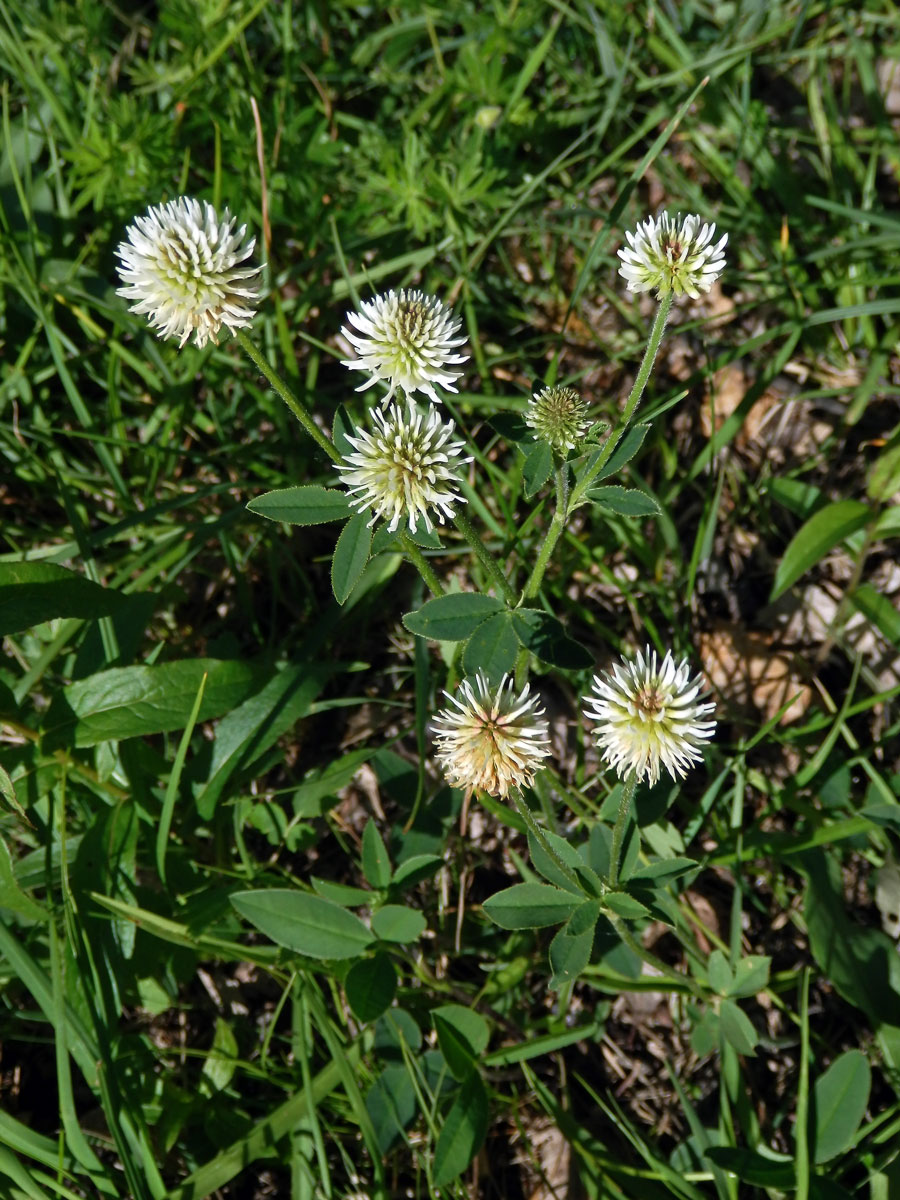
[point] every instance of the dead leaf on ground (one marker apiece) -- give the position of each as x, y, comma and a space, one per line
751, 675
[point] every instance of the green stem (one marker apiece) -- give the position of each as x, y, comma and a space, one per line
634, 398
619, 828
487, 560
636, 946
288, 397
557, 525
538, 834
422, 564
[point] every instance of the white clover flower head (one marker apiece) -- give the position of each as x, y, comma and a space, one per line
650, 715
180, 263
491, 739
405, 469
405, 339
673, 254
558, 416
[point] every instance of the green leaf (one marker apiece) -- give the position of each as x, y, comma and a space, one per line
624, 502
12, 897
306, 924
492, 648
664, 870
839, 1100
415, 869
452, 618
397, 923
463, 1036
776, 1172
737, 1027
342, 427
546, 638
544, 864
751, 975
245, 734
8, 799
878, 609
823, 531
537, 468
463, 1131
570, 950
391, 1105
371, 986
324, 783
308, 505
376, 864
625, 906
32, 592
128, 702
627, 448
719, 973
350, 556
530, 906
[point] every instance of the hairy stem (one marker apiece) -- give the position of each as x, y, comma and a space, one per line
487, 560
619, 828
279, 385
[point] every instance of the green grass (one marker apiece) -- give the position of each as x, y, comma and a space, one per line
155, 1043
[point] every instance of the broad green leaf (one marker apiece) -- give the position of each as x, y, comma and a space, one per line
719, 973
8, 798
251, 728
760, 1170
350, 556
537, 468
627, 448
342, 427
395, 1029
737, 1027
391, 1104
861, 962
397, 923
625, 906
324, 783
546, 638
376, 864
128, 702
222, 1060
463, 1131
308, 505
751, 975
530, 906
340, 893
663, 871
823, 531
878, 609
463, 1036
306, 924
884, 474
31, 592
585, 880
570, 950
839, 1099
624, 502
371, 986
415, 869
12, 897
452, 618
492, 648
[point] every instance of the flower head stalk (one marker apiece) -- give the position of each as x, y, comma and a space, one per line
672, 254
650, 715
406, 469
407, 340
492, 739
180, 263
